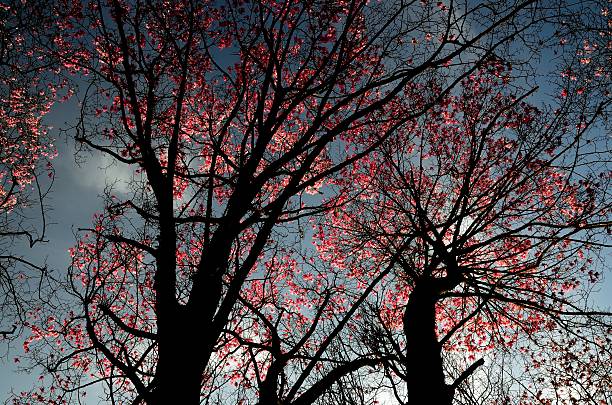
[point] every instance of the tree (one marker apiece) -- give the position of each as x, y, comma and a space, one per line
27, 91
236, 119
493, 210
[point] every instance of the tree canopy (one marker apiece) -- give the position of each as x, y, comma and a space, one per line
330, 202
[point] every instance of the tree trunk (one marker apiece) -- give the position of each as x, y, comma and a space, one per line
176, 390
179, 378
268, 391
184, 352
425, 374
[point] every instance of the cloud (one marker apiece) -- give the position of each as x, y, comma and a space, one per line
100, 171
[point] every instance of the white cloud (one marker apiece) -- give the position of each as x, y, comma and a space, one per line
100, 171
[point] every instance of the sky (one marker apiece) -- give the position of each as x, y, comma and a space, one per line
73, 201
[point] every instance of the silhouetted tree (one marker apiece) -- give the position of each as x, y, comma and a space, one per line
493, 211
241, 120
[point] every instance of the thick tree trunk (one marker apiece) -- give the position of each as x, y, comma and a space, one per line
178, 377
425, 374
182, 386
184, 352
268, 391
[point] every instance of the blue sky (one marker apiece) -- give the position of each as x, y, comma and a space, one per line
73, 201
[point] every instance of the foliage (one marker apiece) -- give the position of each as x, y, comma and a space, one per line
331, 202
